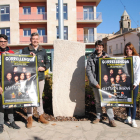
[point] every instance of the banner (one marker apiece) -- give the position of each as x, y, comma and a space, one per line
19, 81
116, 81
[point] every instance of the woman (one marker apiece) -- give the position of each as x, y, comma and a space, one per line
130, 51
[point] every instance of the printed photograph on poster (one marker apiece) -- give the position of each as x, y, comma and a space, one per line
19, 81
116, 79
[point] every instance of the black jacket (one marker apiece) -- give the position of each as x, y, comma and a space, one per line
42, 58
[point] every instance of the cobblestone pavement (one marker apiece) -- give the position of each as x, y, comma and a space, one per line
80, 130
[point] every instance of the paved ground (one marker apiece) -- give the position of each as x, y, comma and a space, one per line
82, 130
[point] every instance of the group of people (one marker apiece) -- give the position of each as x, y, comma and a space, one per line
120, 78
33, 49
19, 84
92, 70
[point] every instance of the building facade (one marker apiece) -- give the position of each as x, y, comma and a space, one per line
20, 18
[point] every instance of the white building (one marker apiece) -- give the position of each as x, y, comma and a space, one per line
116, 42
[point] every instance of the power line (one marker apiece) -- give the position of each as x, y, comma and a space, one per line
128, 13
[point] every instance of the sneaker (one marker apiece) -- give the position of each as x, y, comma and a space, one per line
15, 126
128, 121
112, 123
1, 128
134, 123
96, 121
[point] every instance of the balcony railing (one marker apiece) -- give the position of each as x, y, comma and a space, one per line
33, 16
89, 16
26, 39
88, 38
118, 51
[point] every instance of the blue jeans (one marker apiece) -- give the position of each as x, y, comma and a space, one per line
132, 110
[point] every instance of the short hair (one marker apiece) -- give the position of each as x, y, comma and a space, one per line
4, 36
99, 42
34, 34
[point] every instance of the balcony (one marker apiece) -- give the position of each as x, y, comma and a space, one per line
88, 38
89, 17
97, 1
26, 39
32, 16
118, 51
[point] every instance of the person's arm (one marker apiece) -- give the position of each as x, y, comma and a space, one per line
90, 76
1, 90
137, 72
46, 62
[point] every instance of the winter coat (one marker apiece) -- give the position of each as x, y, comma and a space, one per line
42, 58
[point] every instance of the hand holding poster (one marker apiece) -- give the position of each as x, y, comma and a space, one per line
115, 79
19, 81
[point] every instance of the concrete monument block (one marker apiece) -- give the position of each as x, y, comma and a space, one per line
68, 78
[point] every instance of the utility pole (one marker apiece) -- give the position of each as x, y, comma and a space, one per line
60, 20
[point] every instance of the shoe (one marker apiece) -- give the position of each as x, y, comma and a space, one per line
29, 122
1, 128
15, 126
42, 119
112, 123
96, 121
128, 121
134, 123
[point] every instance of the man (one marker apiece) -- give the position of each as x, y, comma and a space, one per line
111, 73
7, 84
5, 49
105, 81
31, 89
43, 64
9, 81
117, 79
92, 73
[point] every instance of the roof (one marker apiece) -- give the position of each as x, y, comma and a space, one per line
125, 13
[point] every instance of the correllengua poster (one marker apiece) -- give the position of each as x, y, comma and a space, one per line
115, 80
19, 81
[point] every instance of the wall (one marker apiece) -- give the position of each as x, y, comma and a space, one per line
130, 37
13, 23
52, 22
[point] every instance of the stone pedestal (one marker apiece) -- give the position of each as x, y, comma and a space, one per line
68, 78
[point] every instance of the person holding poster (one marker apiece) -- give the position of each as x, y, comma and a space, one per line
92, 70
130, 51
43, 64
5, 49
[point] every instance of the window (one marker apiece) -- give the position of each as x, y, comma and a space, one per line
88, 13
41, 9
110, 49
116, 46
64, 11
26, 10
88, 35
6, 31
4, 13
26, 32
65, 32
41, 31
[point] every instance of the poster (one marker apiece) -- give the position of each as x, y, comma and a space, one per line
19, 81
116, 81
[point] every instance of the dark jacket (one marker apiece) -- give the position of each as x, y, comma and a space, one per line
42, 58
91, 69
7, 49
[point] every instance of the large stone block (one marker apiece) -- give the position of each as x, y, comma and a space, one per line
68, 78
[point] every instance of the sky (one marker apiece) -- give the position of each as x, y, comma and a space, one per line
112, 11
